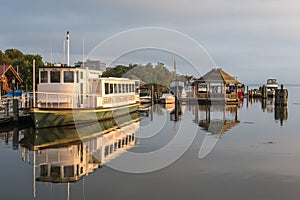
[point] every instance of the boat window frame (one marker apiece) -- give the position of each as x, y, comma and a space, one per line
115, 88
106, 88
71, 80
42, 78
57, 79
111, 88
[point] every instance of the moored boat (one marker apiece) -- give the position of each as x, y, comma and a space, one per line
71, 95
272, 86
167, 98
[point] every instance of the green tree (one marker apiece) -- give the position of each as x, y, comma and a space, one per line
14, 54
22, 63
4, 59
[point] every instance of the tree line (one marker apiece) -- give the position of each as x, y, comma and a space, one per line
22, 63
147, 74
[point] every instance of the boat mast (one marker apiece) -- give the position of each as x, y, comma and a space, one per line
68, 48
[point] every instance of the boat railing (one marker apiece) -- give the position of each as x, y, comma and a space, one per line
56, 100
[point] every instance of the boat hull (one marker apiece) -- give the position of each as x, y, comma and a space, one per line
44, 118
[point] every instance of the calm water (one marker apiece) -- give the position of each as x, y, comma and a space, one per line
257, 156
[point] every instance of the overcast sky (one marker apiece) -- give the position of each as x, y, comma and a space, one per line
252, 40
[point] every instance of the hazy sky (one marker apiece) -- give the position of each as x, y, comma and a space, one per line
252, 40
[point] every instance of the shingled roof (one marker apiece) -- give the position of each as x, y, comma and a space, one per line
216, 76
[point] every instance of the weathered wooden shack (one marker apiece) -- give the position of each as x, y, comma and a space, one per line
216, 86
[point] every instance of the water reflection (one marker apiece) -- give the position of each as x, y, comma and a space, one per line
67, 154
268, 104
215, 120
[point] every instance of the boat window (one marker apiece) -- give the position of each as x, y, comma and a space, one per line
55, 171
123, 88
119, 86
68, 171
55, 77
111, 88
106, 85
44, 77
68, 77
44, 170
115, 88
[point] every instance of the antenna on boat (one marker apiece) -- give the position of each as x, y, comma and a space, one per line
51, 55
82, 50
68, 48
64, 51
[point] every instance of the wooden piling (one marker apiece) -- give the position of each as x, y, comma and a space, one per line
281, 97
264, 92
15, 110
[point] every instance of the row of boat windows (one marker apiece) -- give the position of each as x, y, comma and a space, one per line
109, 149
55, 171
55, 76
115, 88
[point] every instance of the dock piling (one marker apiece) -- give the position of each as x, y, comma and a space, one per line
281, 97
15, 110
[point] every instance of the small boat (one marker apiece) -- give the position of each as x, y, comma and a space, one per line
167, 98
179, 86
272, 86
145, 96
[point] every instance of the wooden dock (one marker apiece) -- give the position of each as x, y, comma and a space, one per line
11, 115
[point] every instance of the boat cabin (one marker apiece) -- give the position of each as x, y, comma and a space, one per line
76, 87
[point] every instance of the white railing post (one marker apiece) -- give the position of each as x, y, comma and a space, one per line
33, 83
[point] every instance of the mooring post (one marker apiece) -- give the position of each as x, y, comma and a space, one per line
281, 97
7, 108
15, 110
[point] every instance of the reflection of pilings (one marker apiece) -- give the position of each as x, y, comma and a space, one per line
207, 117
196, 111
263, 104
281, 97
281, 101
281, 114
15, 141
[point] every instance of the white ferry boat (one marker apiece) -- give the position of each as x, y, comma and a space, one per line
71, 95
272, 85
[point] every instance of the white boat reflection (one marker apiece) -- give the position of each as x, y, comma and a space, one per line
67, 154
